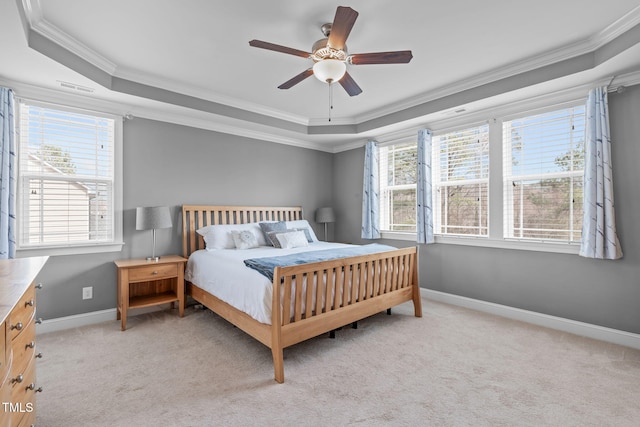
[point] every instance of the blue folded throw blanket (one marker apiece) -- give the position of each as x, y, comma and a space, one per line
266, 265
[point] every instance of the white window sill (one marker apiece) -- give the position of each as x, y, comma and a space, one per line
525, 245
69, 249
397, 235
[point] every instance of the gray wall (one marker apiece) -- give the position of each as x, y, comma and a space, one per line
172, 165
167, 164
605, 293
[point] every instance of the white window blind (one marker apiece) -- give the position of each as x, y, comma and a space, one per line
398, 174
461, 178
543, 169
66, 177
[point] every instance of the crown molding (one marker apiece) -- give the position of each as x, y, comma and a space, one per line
334, 121
61, 97
33, 12
178, 87
571, 50
46, 29
629, 79
186, 117
41, 26
237, 129
442, 121
228, 124
164, 113
617, 28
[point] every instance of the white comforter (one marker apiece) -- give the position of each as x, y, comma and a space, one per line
223, 274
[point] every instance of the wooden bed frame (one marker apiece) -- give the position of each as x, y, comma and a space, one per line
357, 287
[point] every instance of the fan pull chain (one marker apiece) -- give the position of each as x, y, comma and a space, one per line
330, 99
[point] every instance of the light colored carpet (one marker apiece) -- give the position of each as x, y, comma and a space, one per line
454, 366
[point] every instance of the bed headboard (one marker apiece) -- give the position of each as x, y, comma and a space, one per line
198, 216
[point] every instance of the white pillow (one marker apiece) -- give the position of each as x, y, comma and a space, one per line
244, 239
303, 224
220, 236
292, 239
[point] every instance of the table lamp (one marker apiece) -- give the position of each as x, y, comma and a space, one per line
325, 216
152, 218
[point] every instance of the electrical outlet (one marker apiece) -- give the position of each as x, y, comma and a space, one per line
87, 293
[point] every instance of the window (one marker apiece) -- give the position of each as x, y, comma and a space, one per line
460, 168
67, 189
398, 173
543, 168
510, 183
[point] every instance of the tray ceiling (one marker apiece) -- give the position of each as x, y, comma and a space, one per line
193, 58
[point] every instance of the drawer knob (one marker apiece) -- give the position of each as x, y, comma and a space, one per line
154, 273
32, 344
17, 326
39, 321
17, 379
38, 286
30, 303
32, 386
39, 356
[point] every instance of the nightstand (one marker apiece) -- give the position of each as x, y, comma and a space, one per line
144, 283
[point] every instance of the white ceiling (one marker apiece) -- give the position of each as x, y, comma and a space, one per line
200, 48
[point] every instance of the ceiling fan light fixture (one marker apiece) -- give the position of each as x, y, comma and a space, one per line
330, 54
329, 70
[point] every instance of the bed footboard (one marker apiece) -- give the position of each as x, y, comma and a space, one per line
353, 288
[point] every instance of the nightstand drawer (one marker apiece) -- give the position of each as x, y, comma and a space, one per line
152, 272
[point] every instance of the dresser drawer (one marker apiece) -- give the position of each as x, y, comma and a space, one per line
152, 272
23, 388
23, 312
5, 376
28, 418
5, 348
24, 393
24, 348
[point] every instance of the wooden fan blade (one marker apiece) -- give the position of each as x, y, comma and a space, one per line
350, 85
341, 27
297, 79
278, 48
398, 57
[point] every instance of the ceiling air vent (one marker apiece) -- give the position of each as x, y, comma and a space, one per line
76, 87
454, 112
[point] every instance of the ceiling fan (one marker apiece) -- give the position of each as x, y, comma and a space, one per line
330, 54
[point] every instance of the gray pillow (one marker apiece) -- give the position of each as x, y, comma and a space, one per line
268, 227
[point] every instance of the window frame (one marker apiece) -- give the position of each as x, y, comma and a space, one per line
494, 117
383, 175
508, 174
84, 247
436, 171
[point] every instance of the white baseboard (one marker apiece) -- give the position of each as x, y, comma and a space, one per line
615, 336
85, 319
566, 325
76, 321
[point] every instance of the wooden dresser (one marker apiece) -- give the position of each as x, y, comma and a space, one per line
18, 340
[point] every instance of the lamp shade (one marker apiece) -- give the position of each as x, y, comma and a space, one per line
151, 218
324, 215
329, 70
